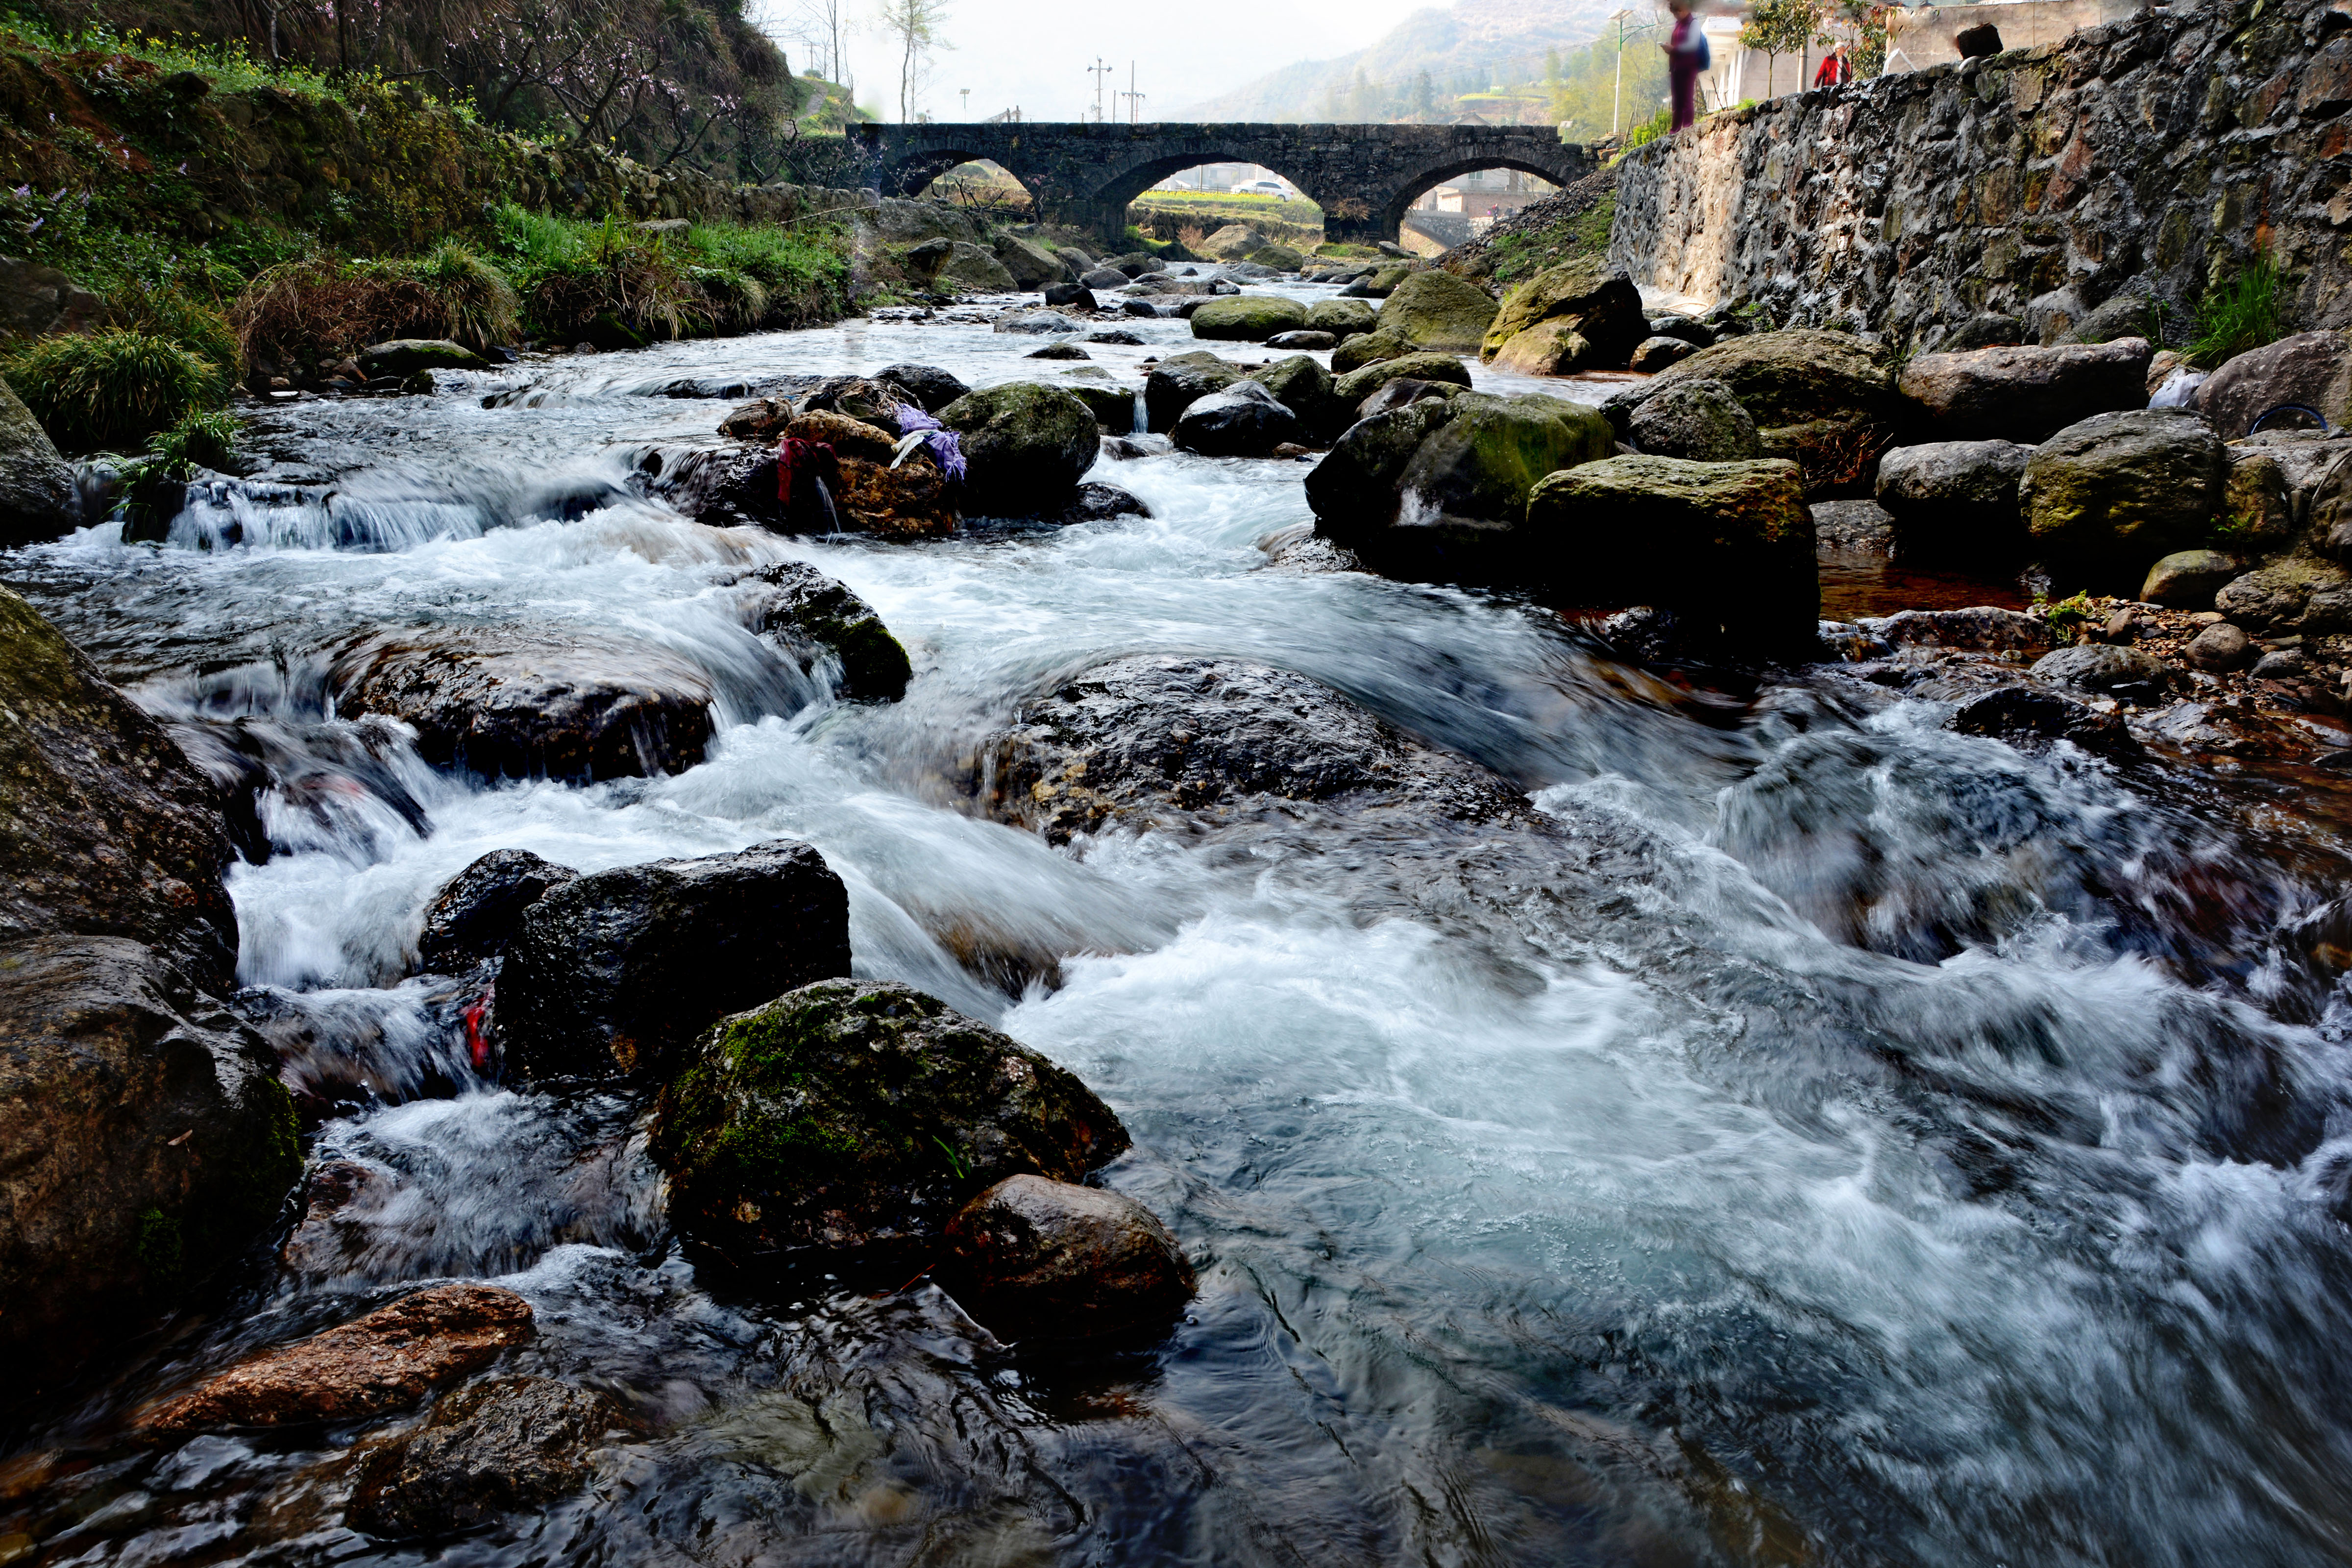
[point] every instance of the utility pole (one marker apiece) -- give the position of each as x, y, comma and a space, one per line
1098, 70
1134, 99
1617, 94
966, 92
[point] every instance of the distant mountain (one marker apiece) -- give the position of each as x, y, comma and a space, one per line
1463, 49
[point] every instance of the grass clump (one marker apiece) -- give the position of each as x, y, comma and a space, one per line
113, 388
321, 308
2239, 313
616, 284
206, 440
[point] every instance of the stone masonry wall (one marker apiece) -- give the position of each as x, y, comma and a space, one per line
2153, 157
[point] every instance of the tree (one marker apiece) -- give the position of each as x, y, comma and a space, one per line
913, 28
1866, 28
1424, 99
1776, 27
827, 23
1556, 93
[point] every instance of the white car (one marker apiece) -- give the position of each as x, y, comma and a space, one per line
1260, 188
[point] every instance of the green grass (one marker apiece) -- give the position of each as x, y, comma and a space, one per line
1518, 257
574, 277
198, 441
114, 388
2240, 312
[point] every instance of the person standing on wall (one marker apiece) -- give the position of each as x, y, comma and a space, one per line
1836, 70
1686, 57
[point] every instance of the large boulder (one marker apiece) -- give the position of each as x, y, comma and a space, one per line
1652, 355
817, 619
1343, 318
2025, 393
1025, 448
1112, 406
1177, 381
2104, 497
1041, 324
2187, 579
2294, 594
406, 356
1032, 1257
1245, 420
615, 973
1825, 400
1350, 390
2108, 670
148, 1142
478, 912
1727, 547
387, 1361
1354, 489
1547, 348
1235, 242
37, 300
537, 702
1247, 318
856, 1113
38, 497
1586, 297
106, 828
1278, 258
1369, 348
1029, 264
491, 1449
1301, 384
1955, 500
1438, 310
2314, 369
903, 220
1699, 420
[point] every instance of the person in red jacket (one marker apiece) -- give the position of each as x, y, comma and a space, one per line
1836, 69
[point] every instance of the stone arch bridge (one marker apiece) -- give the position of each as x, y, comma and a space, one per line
1362, 176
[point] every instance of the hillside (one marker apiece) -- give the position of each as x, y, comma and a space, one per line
1424, 67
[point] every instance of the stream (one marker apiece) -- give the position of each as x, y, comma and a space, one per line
1891, 1148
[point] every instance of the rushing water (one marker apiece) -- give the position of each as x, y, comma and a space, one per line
1894, 1148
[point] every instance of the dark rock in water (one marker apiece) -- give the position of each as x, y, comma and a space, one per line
494, 1448
1825, 400
1144, 308
404, 357
1305, 388
1058, 350
1653, 354
861, 1113
1699, 420
1027, 448
106, 828
1104, 278
475, 913
1356, 386
1369, 348
762, 420
1588, 297
531, 701
2121, 672
1076, 295
1121, 449
1113, 407
1099, 502
1193, 742
1032, 1257
2022, 714
38, 496
1955, 500
1405, 391
1040, 323
617, 971
1243, 421
928, 384
1118, 335
1179, 381
1985, 628
383, 1361
804, 611
147, 1142
1356, 483
1302, 337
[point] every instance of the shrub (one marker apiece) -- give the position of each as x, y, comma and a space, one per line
470, 302
167, 310
204, 440
2237, 314
111, 388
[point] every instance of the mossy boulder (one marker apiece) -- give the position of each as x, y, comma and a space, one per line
812, 617
1343, 318
38, 499
1827, 400
859, 1114
2187, 579
1281, 257
2295, 594
1352, 388
1585, 297
1177, 380
1302, 385
1438, 310
1025, 448
1029, 264
1369, 348
407, 357
1353, 490
1699, 420
1547, 348
1727, 547
2107, 497
1112, 406
1235, 242
1247, 318
967, 268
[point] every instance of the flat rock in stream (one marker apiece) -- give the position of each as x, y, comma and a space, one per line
492, 1449
810, 614
383, 1361
532, 701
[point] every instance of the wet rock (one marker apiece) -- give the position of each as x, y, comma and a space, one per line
1302, 385
1077, 296
1403, 391
1025, 448
1468, 483
1243, 421
1654, 354
1099, 502
925, 384
531, 701
2028, 716
1826, 400
911, 500
1595, 301
475, 913
1350, 390
2124, 673
1955, 500
1058, 350
2312, 368
336, 1194
764, 419
2220, 648
493, 1449
1176, 381
809, 615
1034, 1258
2025, 393
1355, 488
1118, 335
1039, 323
2187, 579
2257, 503
2295, 594
1343, 318
1547, 348
618, 971
106, 828
1248, 317
1984, 628
1196, 745
1145, 308
2279, 664
2107, 495
147, 1139
404, 357
861, 1113
1029, 265
1728, 547
1369, 348
1112, 406
37, 496
1302, 340
1437, 310
1699, 420
383, 1361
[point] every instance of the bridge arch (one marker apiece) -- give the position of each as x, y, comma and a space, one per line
1117, 189
1420, 183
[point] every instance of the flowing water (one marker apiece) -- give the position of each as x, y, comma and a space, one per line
1883, 1147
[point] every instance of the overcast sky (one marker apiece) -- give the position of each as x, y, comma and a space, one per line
1035, 53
